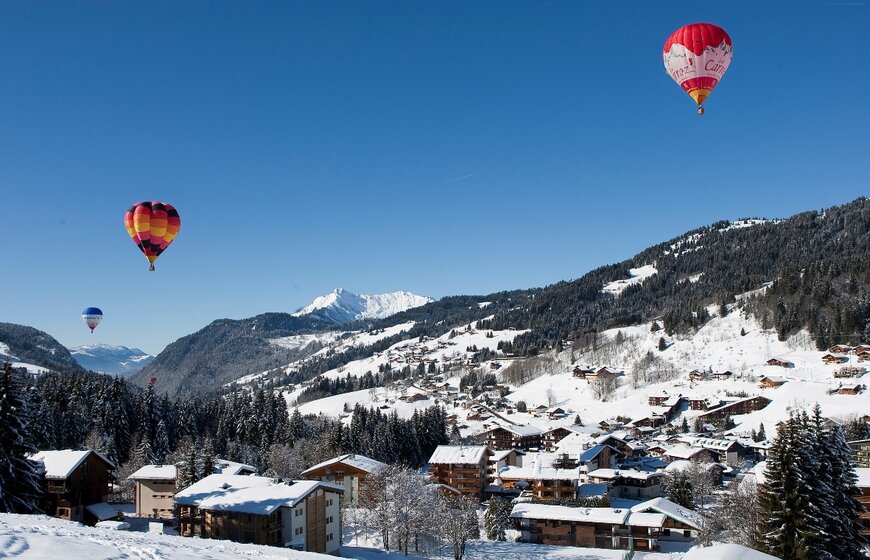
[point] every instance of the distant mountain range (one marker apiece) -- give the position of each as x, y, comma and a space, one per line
115, 360
341, 306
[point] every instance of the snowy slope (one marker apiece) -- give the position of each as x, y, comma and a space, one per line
38, 537
717, 346
6, 356
341, 306
107, 358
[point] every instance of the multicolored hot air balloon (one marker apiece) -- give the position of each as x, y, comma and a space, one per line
697, 56
152, 227
92, 317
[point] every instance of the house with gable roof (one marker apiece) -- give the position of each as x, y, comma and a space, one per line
348, 471
303, 515
462, 467
514, 436
72, 480
154, 490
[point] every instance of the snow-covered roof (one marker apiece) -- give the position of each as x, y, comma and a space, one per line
258, 495
611, 474
592, 452
863, 477
535, 472
522, 430
61, 464
682, 464
683, 451
222, 466
501, 454
759, 470
672, 510
103, 510
726, 552
155, 472
458, 454
591, 515
611, 516
360, 462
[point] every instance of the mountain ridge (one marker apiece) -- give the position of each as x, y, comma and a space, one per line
341, 306
111, 359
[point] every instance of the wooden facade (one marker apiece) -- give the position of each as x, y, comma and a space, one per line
550, 438
88, 484
744, 406
500, 438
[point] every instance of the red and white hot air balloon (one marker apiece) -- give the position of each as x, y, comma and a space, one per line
697, 56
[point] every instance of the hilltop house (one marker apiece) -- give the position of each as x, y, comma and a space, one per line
462, 467
304, 515
154, 490
835, 358
73, 480
735, 408
779, 363
771, 382
348, 471
629, 483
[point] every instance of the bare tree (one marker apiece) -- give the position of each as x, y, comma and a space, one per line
552, 399
604, 387
739, 512
459, 522
412, 497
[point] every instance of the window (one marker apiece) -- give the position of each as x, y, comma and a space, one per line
329, 502
298, 531
297, 512
329, 537
329, 519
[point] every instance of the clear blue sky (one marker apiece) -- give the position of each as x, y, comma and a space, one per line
437, 147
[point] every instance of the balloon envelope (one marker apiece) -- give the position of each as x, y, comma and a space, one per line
92, 317
152, 226
696, 56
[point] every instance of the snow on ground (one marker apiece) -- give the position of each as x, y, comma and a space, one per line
488, 550
740, 224
36, 537
637, 276
719, 346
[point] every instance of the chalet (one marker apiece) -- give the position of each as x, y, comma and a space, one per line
861, 452
705, 403
735, 408
500, 459
630, 484
551, 437
863, 356
840, 349
73, 480
462, 467
622, 443
303, 515
658, 400
835, 358
696, 375
349, 471
555, 412
600, 373
652, 421
414, 397
724, 450
598, 457
514, 436
850, 389
721, 375
779, 363
581, 372
861, 348
670, 407
689, 453
542, 478
154, 490
771, 382
612, 528
863, 485
681, 524
540, 409
850, 371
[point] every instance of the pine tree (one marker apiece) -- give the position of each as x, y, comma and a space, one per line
679, 489
760, 435
20, 485
496, 519
844, 524
684, 425
663, 345
188, 471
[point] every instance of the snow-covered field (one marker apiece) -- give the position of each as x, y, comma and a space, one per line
38, 537
637, 276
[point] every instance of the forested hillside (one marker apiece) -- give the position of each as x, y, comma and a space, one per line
35, 347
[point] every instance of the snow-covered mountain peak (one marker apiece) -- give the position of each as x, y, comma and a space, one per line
342, 306
110, 358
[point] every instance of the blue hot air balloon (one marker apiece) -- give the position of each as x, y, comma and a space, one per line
92, 317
